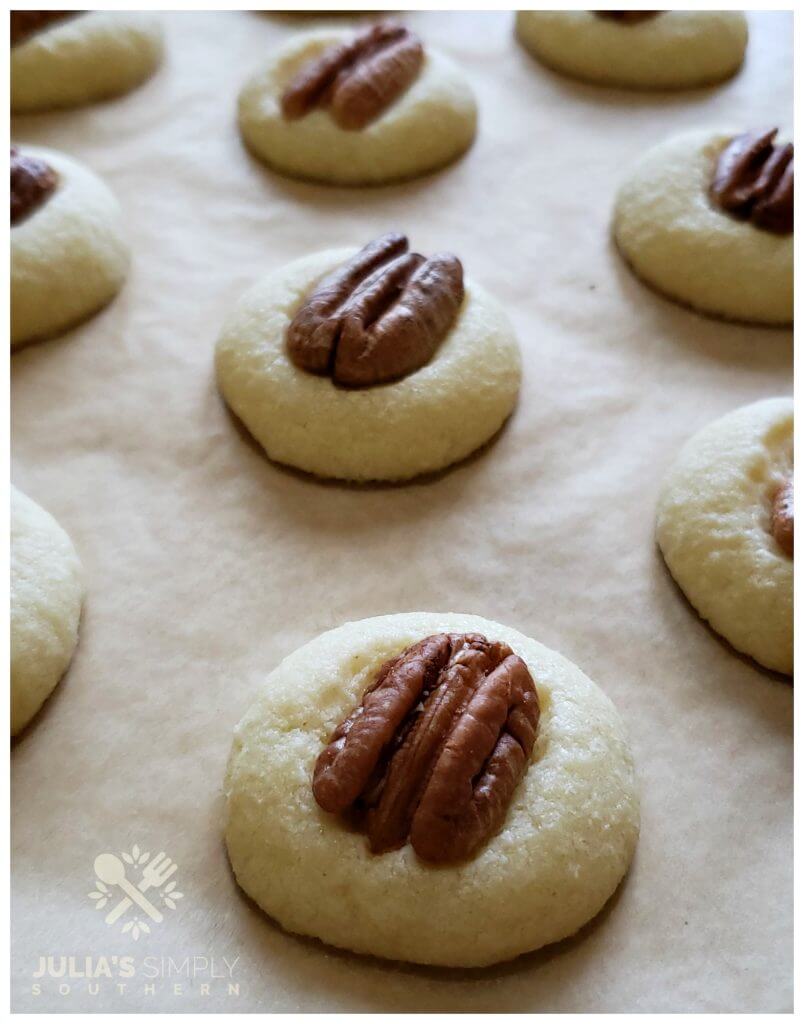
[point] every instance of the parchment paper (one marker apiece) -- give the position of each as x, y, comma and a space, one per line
206, 564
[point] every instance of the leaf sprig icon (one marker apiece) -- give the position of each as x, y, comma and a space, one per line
136, 857
100, 894
169, 895
136, 927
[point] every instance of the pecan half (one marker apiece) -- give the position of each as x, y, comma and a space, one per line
627, 17
359, 79
435, 750
378, 317
25, 24
32, 181
753, 181
782, 517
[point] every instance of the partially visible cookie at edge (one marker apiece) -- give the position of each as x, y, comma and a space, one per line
68, 59
706, 219
725, 527
47, 592
69, 254
643, 50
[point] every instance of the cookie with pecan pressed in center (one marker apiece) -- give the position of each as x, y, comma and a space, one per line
361, 106
705, 218
435, 788
69, 254
376, 364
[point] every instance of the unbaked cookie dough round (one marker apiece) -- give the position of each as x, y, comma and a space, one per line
674, 50
95, 56
426, 421
677, 240
566, 842
46, 596
69, 257
431, 124
715, 528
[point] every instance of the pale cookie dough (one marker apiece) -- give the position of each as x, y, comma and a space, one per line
46, 596
713, 527
676, 239
567, 841
676, 50
429, 126
433, 417
92, 57
69, 257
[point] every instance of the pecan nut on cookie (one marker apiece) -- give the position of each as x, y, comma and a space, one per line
378, 317
24, 24
69, 256
421, 768
435, 749
706, 219
725, 527
379, 364
32, 182
637, 49
357, 107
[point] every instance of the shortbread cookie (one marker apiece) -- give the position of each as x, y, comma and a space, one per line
725, 528
502, 823
369, 365
637, 49
706, 218
69, 256
46, 596
66, 59
357, 107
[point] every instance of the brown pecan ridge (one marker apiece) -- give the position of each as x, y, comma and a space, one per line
627, 17
378, 317
435, 750
782, 515
753, 181
32, 181
359, 79
25, 24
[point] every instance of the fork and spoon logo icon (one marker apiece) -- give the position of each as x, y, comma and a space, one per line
110, 871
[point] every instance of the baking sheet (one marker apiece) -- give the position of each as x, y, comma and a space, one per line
206, 564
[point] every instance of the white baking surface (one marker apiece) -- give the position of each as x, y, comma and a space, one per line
206, 564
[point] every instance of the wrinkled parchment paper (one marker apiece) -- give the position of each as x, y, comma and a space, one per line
206, 564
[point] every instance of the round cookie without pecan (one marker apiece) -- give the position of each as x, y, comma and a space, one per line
691, 223
725, 528
637, 49
69, 256
69, 58
357, 108
46, 597
505, 792
370, 365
